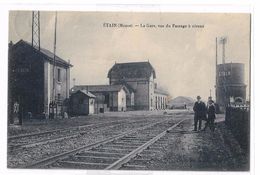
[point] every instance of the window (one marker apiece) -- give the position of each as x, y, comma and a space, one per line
59, 75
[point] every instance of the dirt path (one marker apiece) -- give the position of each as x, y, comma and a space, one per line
204, 151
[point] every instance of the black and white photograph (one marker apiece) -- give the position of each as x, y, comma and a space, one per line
135, 91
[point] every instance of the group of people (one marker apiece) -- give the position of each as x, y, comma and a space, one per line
204, 112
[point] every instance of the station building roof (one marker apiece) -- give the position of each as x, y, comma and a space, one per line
99, 88
46, 54
131, 70
89, 94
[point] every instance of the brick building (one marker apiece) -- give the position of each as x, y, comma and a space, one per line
140, 77
30, 79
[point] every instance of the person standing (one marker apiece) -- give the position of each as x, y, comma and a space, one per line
211, 116
15, 112
200, 110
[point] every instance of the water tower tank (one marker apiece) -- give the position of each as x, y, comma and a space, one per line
230, 83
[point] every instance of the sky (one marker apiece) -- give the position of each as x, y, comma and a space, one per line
183, 58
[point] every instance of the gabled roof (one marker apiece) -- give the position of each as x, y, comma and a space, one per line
99, 88
122, 82
89, 94
131, 70
47, 54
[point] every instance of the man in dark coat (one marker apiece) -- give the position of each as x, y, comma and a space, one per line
200, 112
211, 116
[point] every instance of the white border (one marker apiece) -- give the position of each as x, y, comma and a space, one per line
221, 6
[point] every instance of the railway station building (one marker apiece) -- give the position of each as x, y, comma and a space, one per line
140, 78
108, 97
31, 82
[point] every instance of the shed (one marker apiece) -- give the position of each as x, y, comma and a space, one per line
108, 97
82, 103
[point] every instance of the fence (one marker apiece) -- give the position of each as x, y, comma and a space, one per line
238, 120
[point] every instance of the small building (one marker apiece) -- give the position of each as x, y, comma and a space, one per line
82, 103
31, 82
108, 97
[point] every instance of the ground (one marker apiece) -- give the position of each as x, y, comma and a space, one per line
185, 150
205, 150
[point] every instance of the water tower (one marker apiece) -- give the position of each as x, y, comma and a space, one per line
230, 80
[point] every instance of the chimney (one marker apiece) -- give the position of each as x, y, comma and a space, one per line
10, 44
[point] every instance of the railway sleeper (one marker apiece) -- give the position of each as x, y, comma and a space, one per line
93, 159
120, 146
99, 154
122, 151
137, 140
124, 144
140, 161
152, 147
82, 165
131, 167
131, 141
150, 156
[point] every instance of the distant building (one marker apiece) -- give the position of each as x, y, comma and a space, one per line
180, 102
160, 97
108, 97
82, 103
230, 86
31, 79
140, 77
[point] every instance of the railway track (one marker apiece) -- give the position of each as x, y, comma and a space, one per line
69, 135
59, 130
113, 152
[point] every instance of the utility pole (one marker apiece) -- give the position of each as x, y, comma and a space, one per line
216, 94
36, 29
54, 65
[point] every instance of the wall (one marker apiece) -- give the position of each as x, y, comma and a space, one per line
91, 105
79, 104
61, 87
100, 102
121, 100
160, 101
27, 80
144, 89
151, 93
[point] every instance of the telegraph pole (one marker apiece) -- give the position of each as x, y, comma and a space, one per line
216, 69
54, 65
